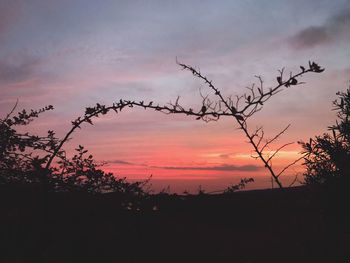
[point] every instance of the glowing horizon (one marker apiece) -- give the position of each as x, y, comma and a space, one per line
75, 54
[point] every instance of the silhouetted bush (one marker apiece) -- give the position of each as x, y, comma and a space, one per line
241, 108
24, 158
82, 173
22, 154
327, 157
19, 162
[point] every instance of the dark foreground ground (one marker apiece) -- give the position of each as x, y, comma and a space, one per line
293, 225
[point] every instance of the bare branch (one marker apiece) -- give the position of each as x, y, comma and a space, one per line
289, 165
279, 149
252, 102
12, 110
294, 180
268, 142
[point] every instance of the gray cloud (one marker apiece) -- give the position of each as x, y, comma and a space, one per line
119, 162
335, 28
16, 69
311, 37
224, 167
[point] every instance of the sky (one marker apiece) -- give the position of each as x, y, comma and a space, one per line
73, 54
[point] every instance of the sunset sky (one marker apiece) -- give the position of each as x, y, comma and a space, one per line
72, 54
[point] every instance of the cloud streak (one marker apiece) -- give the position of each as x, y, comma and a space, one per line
335, 28
223, 168
73, 54
119, 162
17, 69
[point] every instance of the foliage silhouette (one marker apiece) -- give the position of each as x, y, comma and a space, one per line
241, 108
245, 106
82, 173
327, 157
24, 158
241, 185
18, 161
194, 227
229, 189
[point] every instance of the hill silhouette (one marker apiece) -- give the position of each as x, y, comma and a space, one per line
299, 224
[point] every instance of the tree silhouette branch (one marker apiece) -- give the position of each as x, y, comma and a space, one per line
241, 109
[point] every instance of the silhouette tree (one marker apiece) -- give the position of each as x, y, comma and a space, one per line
327, 157
233, 187
20, 160
24, 158
82, 173
240, 108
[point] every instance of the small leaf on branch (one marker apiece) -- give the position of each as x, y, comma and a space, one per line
89, 121
279, 80
293, 81
239, 117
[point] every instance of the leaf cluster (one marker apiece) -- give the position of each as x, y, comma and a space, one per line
83, 173
327, 158
18, 158
24, 158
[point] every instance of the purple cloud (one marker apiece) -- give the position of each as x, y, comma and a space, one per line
335, 28
17, 68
